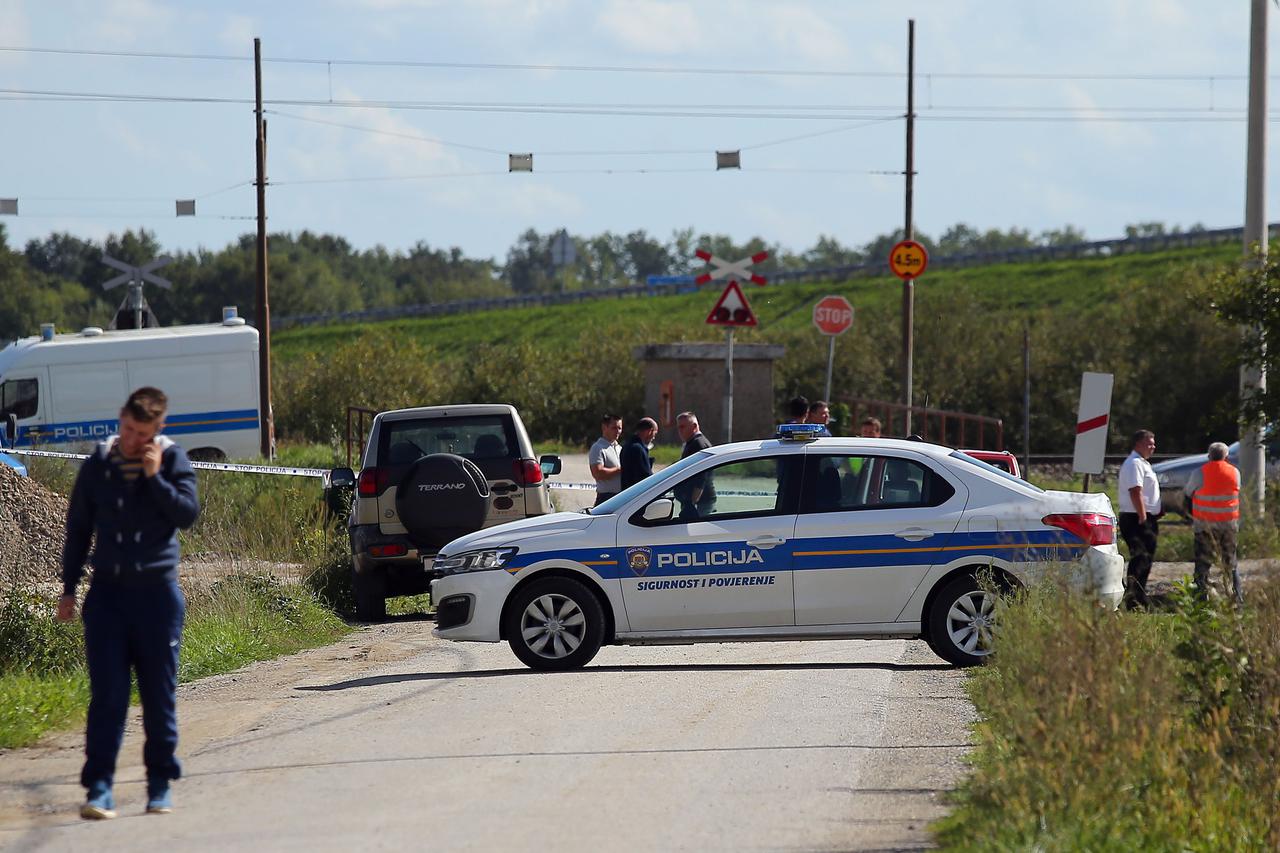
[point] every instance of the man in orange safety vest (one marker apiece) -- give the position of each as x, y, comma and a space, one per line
1214, 493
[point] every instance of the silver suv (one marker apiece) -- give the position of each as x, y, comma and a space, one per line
429, 475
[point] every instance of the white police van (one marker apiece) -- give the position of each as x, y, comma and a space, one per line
64, 391
790, 538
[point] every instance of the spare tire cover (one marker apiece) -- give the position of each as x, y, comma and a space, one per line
441, 497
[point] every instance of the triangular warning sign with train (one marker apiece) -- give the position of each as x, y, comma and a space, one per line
732, 309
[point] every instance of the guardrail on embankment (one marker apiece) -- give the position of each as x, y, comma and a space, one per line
1092, 249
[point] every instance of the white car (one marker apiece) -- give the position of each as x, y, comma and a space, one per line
784, 539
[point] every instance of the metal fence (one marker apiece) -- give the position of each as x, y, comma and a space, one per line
940, 426
668, 284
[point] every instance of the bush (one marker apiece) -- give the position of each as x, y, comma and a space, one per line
32, 640
1117, 731
329, 577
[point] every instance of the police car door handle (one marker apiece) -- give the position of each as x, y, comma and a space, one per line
765, 541
914, 534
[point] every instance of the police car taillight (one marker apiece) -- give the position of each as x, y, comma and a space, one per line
1093, 528
527, 472
372, 482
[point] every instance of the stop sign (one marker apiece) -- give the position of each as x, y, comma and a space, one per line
833, 315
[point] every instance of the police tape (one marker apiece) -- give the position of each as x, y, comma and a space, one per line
205, 466
321, 472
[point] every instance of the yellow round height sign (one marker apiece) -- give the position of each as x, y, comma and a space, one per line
908, 260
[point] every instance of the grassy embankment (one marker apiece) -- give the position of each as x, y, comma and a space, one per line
563, 365
1067, 284
254, 533
1126, 731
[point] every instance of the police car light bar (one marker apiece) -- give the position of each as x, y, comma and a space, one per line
798, 432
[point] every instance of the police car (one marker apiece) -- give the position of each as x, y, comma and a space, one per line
795, 537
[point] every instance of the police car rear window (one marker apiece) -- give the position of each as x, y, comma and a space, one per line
964, 457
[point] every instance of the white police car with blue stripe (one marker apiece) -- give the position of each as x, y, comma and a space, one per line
790, 538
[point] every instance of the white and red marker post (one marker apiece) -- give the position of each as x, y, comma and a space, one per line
731, 310
1092, 420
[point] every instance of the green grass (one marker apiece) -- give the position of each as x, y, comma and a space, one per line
43, 683
34, 703
1067, 284
1125, 731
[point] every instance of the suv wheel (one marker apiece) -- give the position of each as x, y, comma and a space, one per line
962, 622
371, 595
554, 624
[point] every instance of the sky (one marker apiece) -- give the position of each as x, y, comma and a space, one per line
396, 128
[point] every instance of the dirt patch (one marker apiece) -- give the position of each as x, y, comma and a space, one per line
32, 526
1165, 575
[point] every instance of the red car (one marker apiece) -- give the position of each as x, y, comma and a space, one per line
1002, 459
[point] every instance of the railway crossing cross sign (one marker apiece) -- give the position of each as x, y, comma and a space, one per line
134, 313
732, 270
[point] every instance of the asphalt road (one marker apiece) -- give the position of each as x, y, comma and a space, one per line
394, 740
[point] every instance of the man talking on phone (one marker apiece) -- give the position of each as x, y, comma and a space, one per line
130, 498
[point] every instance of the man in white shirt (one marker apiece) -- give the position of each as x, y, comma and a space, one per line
1139, 506
604, 459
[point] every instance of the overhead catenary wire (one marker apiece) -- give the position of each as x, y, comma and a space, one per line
631, 69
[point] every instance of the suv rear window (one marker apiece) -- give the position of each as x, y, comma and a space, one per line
479, 438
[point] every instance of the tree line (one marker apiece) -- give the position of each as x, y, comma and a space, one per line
58, 278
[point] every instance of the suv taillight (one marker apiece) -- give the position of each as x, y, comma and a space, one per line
1093, 528
527, 472
372, 482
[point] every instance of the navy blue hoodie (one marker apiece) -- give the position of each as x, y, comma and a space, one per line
136, 524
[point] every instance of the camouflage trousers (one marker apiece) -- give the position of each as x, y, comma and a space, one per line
1216, 544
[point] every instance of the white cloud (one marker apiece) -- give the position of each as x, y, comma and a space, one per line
1102, 125
14, 29
238, 32
802, 33
653, 26
129, 22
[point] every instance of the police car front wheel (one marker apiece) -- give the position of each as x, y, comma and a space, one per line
554, 624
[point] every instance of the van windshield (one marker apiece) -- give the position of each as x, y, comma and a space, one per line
19, 397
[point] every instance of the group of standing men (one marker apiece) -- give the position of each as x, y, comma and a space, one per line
616, 466
1213, 492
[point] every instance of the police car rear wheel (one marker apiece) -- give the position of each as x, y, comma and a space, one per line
555, 624
962, 622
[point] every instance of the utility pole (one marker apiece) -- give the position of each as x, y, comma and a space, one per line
908, 231
266, 418
1252, 459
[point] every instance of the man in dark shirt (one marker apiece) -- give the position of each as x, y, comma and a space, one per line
130, 499
697, 495
636, 461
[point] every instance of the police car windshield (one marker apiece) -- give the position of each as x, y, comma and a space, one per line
625, 496
956, 454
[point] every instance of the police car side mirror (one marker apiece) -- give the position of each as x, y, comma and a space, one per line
550, 465
660, 510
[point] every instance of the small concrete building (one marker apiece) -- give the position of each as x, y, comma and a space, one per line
691, 377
